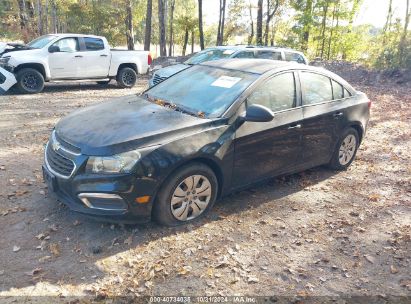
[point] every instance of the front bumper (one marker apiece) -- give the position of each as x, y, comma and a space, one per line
111, 198
7, 80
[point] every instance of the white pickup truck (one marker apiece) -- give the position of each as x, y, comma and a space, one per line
67, 57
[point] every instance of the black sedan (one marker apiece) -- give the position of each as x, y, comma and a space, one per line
214, 128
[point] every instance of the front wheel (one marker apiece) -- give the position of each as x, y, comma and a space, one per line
29, 81
346, 149
126, 78
186, 196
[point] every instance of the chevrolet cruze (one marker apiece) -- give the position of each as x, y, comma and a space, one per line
214, 128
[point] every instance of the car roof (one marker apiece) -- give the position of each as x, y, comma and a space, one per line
255, 66
253, 48
74, 35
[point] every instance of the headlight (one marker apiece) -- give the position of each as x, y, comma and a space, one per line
119, 163
4, 60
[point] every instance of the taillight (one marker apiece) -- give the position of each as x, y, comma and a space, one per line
149, 59
369, 104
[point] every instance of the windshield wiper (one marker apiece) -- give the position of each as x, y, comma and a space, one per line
173, 106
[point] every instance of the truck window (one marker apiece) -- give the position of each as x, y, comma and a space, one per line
269, 55
68, 45
94, 44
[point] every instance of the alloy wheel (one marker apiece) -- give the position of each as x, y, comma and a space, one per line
347, 149
128, 78
191, 197
30, 81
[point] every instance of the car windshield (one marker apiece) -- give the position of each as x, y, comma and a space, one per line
201, 90
41, 41
209, 55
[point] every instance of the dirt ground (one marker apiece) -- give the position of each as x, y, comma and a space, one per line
319, 232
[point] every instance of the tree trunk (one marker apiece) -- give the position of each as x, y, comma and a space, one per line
251, 37
260, 22
192, 42
200, 23
307, 25
162, 27
389, 17
220, 34
185, 42
147, 36
270, 16
323, 28
129, 25
403, 40
54, 16
171, 33
332, 28
46, 15
22, 14
40, 27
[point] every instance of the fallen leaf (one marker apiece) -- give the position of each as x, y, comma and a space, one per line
129, 240
369, 258
34, 271
16, 248
185, 270
393, 269
54, 249
252, 279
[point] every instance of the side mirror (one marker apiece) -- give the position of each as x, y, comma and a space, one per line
54, 49
258, 113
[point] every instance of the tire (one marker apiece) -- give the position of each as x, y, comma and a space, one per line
185, 205
106, 82
346, 150
29, 81
126, 78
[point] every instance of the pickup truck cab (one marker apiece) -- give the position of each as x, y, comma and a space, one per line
67, 57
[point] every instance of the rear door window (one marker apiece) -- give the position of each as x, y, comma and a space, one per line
316, 88
269, 55
346, 93
290, 56
246, 54
338, 90
94, 44
277, 93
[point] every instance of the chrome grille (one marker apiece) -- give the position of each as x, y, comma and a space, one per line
58, 163
157, 79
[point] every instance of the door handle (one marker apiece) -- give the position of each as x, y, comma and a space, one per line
339, 114
295, 127
103, 55
78, 56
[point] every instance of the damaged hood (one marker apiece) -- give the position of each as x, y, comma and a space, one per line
12, 47
125, 123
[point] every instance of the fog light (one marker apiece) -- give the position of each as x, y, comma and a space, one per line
103, 201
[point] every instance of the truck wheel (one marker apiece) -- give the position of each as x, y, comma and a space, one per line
126, 78
29, 81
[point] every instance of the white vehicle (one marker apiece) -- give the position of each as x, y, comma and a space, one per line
66, 57
7, 80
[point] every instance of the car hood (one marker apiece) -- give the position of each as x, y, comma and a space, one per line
124, 124
171, 70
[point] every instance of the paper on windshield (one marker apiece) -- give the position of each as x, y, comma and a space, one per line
226, 82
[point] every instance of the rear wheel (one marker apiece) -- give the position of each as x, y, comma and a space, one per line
29, 81
346, 149
126, 78
186, 196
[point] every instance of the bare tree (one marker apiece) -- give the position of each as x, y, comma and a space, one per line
147, 36
260, 22
270, 15
40, 26
335, 10
129, 26
325, 11
251, 37
171, 28
162, 27
200, 23
221, 21
23, 14
403, 39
